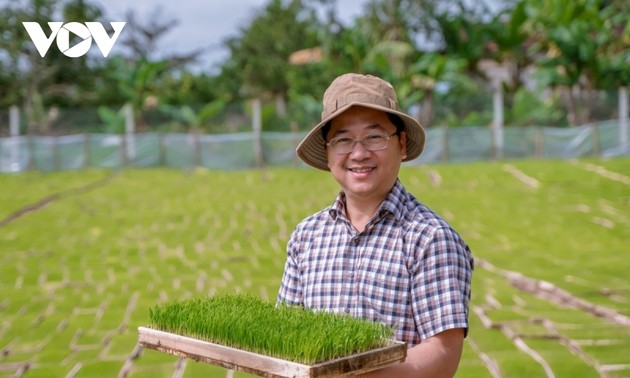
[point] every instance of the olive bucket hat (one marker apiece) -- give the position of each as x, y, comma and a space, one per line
358, 90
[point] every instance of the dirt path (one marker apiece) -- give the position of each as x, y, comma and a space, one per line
550, 292
56, 196
606, 173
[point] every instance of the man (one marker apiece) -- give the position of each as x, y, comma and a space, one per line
377, 252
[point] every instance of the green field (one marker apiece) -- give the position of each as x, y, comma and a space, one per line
85, 254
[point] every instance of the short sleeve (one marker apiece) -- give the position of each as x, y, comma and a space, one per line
441, 282
290, 292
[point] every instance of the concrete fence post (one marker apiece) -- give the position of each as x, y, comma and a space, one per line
14, 132
14, 121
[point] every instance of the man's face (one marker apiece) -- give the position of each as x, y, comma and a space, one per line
363, 173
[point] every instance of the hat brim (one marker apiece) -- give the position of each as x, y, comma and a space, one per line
312, 149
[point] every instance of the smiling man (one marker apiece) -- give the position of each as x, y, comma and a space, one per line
377, 252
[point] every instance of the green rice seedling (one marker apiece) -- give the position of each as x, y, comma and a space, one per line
248, 323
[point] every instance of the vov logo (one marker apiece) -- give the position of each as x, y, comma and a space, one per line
61, 32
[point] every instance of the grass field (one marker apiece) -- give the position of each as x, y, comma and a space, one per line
85, 254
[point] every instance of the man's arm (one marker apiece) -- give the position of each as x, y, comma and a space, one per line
435, 357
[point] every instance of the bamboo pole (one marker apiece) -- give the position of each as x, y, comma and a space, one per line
596, 141
497, 123
196, 149
445, 152
624, 128
295, 139
539, 149
124, 159
87, 161
55, 153
32, 160
257, 131
161, 150
130, 129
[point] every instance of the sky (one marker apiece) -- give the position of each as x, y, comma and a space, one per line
204, 24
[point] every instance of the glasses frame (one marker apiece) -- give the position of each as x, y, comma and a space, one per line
330, 143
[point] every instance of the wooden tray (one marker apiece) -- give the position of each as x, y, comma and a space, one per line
265, 366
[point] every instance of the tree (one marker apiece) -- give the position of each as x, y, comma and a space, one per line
260, 54
37, 82
613, 54
570, 36
433, 68
138, 79
419, 44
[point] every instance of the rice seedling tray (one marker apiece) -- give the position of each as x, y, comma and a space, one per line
267, 366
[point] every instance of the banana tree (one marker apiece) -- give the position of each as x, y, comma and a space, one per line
132, 82
430, 70
567, 38
194, 120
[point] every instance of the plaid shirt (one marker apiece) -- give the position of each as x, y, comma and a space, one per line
408, 268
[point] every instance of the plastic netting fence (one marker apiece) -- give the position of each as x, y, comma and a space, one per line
238, 150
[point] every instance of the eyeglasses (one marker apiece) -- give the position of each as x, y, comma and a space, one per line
371, 142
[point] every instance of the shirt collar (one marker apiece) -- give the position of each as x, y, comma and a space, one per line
392, 204
339, 206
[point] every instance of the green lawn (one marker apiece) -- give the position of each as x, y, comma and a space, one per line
79, 274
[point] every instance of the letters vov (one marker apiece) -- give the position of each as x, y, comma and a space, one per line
61, 32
